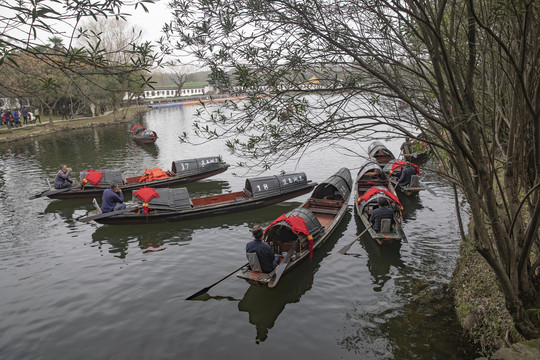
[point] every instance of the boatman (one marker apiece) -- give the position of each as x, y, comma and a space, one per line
112, 199
380, 213
267, 259
62, 179
406, 175
406, 148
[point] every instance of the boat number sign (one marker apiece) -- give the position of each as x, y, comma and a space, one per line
205, 162
284, 182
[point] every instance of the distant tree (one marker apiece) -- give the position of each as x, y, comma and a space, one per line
464, 76
25, 22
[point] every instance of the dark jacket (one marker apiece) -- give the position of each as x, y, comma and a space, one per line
62, 178
264, 253
378, 214
110, 199
406, 174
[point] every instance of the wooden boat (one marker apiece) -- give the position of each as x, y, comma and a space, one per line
94, 181
166, 205
380, 153
143, 135
393, 170
372, 183
295, 234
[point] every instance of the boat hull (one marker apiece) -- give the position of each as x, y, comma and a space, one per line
362, 184
90, 192
323, 216
156, 216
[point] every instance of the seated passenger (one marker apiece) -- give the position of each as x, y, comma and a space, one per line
380, 213
406, 174
62, 179
267, 259
112, 199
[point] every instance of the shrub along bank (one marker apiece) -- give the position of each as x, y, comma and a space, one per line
479, 303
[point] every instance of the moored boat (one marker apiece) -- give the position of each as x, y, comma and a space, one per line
372, 183
167, 205
296, 234
95, 181
143, 135
380, 153
393, 170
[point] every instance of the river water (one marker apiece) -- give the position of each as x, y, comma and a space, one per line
72, 290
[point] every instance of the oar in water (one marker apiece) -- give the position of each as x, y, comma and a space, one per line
347, 247
205, 290
278, 271
427, 188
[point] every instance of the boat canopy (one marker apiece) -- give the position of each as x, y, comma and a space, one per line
274, 185
282, 231
195, 166
147, 133
338, 184
376, 150
369, 165
170, 199
109, 177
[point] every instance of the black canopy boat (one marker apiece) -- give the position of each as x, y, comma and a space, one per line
94, 181
143, 135
296, 234
372, 183
166, 205
393, 170
380, 153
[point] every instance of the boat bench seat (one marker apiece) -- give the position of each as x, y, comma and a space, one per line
323, 210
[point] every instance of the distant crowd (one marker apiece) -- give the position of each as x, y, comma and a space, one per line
18, 118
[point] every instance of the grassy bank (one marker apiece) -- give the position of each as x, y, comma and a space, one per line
33, 130
479, 303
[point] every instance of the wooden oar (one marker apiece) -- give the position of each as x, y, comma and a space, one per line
50, 192
205, 290
278, 271
347, 247
107, 214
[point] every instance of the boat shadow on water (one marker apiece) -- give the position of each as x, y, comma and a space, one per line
264, 304
156, 237
150, 148
381, 259
411, 204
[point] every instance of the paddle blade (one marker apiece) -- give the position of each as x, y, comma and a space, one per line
430, 190
198, 293
345, 249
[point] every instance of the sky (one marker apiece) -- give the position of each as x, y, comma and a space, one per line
153, 21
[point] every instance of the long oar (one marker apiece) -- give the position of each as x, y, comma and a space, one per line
278, 271
205, 290
347, 247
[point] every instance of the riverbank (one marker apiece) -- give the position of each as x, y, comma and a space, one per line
44, 128
479, 303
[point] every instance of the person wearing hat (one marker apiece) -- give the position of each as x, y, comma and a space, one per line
380, 213
112, 199
267, 259
62, 179
406, 174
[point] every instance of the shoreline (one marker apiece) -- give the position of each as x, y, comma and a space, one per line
30, 131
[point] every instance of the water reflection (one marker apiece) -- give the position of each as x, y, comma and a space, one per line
151, 238
156, 237
433, 330
151, 148
264, 304
411, 204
